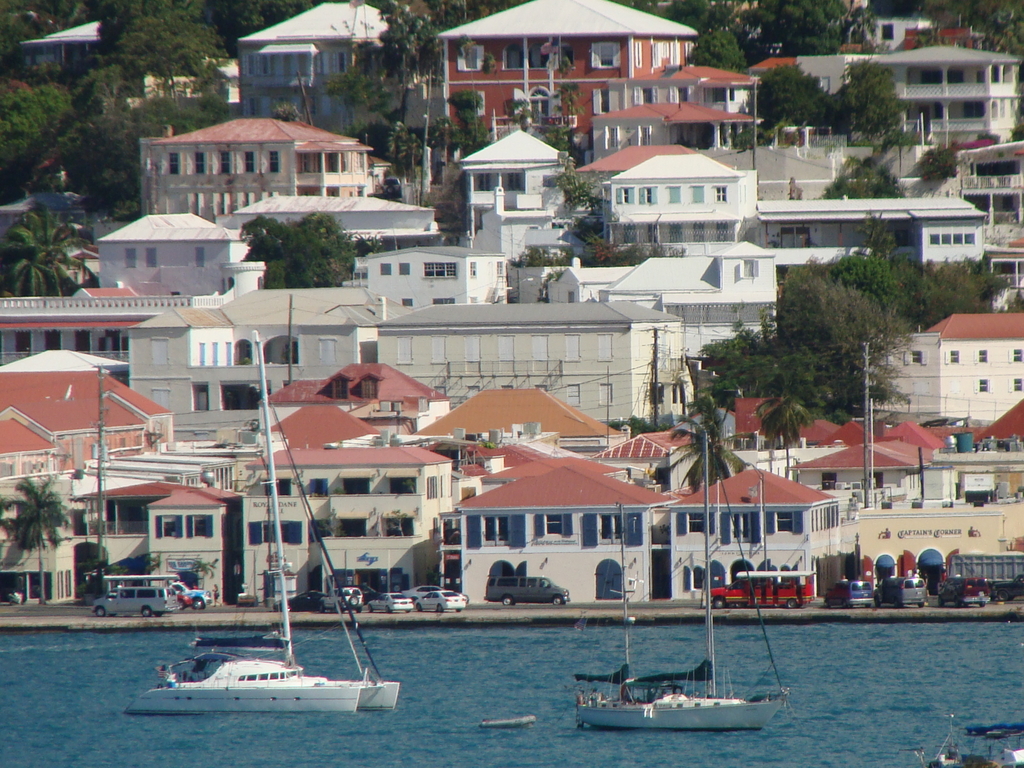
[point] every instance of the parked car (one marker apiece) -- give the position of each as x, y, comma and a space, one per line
416, 592
147, 601
307, 601
510, 590
899, 592
196, 599
848, 594
963, 591
1005, 591
442, 601
389, 602
354, 596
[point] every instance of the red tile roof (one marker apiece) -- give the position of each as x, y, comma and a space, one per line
1010, 424
887, 455
738, 490
774, 61
248, 130
77, 386
543, 466
17, 438
914, 434
316, 425
819, 432
647, 445
160, 489
679, 113
501, 408
712, 75
851, 433
1017, 243
189, 496
392, 385
514, 455
75, 415
630, 157
565, 487
1002, 325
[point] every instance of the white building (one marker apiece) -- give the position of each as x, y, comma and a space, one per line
966, 365
926, 228
991, 179
299, 56
170, 254
69, 49
420, 277
215, 171
577, 283
675, 200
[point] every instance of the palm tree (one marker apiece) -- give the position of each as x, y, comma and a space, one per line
37, 522
35, 256
705, 417
782, 418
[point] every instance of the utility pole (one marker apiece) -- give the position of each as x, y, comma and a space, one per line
655, 386
867, 419
101, 449
753, 158
290, 343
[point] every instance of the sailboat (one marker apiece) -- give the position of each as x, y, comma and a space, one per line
226, 680
660, 701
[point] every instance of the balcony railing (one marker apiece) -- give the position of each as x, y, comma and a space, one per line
502, 368
1014, 181
944, 91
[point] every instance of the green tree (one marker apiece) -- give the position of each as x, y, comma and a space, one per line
869, 275
787, 96
233, 19
31, 120
794, 27
577, 191
38, 520
938, 164
867, 101
35, 259
469, 132
411, 52
719, 48
863, 178
703, 416
782, 418
312, 253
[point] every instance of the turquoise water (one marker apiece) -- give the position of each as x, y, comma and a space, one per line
860, 695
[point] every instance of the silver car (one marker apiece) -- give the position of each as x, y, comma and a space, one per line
441, 601
391, 602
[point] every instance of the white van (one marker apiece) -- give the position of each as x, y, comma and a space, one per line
146, 601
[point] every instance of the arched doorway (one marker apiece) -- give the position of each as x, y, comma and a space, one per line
698, 578
766, 565
243, 352
522, 569
932, 567
502, 568
275, 350
687, 579
740, 565
717, 574
609, 580
885, 566
540, 103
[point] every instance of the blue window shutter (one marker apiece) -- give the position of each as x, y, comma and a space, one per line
538, 526
755, 527
711, 518
726, 537
517, 531
589, 530
769, 522
177, 527
190, 527
634, 529
293, 533
798, 522
567, 524
473, 535
682, 527
159, 526
209, 526
255, 534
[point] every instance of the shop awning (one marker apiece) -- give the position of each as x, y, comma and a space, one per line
357, 472
351, 514
401, 473
931, 558
885, 561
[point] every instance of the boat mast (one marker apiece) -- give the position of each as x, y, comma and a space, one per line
625, 592
279, 566
709, 626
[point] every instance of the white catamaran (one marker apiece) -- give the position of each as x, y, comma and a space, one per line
660, 701
224, 681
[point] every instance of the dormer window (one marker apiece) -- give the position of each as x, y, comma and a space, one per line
366, 389
339, 389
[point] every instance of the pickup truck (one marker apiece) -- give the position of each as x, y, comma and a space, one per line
1005, 591
196, 599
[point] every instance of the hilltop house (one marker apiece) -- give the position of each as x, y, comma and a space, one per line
422, 277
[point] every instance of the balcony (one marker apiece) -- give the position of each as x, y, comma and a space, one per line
1014, 181
955, 125
505, 368
945, 91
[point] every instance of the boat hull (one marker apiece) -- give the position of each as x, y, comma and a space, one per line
383, 695
680, 715
196, 701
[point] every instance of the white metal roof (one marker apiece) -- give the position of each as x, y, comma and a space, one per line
63, 360
328, 21
83, 33
288, 48
518, 147
895, 207
318, 204
946, 54
679, 168
569, 18
170, 226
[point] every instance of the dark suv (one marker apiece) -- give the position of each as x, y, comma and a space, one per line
962, 591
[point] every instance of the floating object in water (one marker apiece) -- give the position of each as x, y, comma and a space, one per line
510, 722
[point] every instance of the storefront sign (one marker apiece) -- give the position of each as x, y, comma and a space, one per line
182, 564
367, 558
261, 502
928, 533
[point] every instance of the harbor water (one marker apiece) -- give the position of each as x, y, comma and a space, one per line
861, 695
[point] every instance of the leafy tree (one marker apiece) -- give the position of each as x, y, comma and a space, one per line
1000, 21
233, 19
31, 119
469, 132
863, 178
361, 91
782, 418
637, 426
38, 519
794, 27
410, 49
312, 253
34, 256
879, 241
867, 101
870, 275
704, 417
937, 164
578, 192
787, 96
405, 150
719, 48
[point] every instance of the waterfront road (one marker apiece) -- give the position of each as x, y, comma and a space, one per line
59, 617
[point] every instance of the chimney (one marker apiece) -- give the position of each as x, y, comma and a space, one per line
383, 307
168, 131
576, 263
499, 200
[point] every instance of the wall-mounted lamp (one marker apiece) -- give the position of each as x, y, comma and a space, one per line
468, 563
544, 563
633, 563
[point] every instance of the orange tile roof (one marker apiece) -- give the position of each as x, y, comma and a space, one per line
679, 113
248, 130
76, 415
160, 489
1010, 424
738, 490
647, 445
565, 487
543, 466
712, 74
189, 496
315, 425
774, 61
356, 457
392, 385
17, 438
1000, 325
631, 157
77, 386
914, 434
890, 454
501, 408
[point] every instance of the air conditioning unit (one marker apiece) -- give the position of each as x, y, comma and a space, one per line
856, 486
842, 486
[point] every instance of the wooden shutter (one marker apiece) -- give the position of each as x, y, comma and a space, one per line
177, 527
159, 526
567, 524
798, 522
255, 534
711, 520
190, 528
726, 537
634, 529
539, 526
473, 535
517, 531
589, 530
755, 527
769, 522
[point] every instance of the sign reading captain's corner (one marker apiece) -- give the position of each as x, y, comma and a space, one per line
264, 503
929, 533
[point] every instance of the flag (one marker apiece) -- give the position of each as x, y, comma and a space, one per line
581, 623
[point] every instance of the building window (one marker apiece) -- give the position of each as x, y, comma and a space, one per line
604, 55
611, 528
472, 349
1018, 385
540, 348
432, 488
385, 268
572, 347
200, 257
407, 302
275, 161
131, 260
318, 486
496, 530
624, 195
721, 194
572, 394
697, 195
675, 195
151, 257
200, 397
439, 269
250, 162
513, 56
602, 101
648, 195
225, 162
974, 109
437, 349
982, 355
174, 163
917, 357
404, 268
645, 135
470, 58
750, 268
404, 349
604, 347
200, 162
954, 357
983, 385
695, 522
472, 269
506, 348
604, 394
1018, 355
